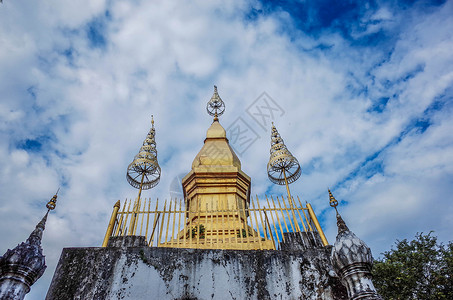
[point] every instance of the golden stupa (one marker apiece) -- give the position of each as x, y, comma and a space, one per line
217, 211
217, 192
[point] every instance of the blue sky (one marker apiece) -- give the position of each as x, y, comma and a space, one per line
364, 90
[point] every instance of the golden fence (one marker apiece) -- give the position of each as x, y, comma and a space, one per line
171, 224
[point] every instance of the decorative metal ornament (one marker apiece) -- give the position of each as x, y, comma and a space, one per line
340, 222
144, 171
215, 106
53, 202
283, 167
332, 201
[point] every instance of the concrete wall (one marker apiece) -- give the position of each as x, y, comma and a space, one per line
169, 273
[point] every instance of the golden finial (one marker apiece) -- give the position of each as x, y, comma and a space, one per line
283, 167
332, 201
52, 202
215, 106
117, 204
340, 222
144, 171
152, 121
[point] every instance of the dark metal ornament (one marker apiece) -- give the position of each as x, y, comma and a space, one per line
215, 106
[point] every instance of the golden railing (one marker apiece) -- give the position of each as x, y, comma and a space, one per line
213, 227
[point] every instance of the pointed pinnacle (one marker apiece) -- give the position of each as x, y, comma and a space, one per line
36, 235
42, 223
342, 227
215, 95
117, 204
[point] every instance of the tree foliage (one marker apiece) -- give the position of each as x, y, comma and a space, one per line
419, 269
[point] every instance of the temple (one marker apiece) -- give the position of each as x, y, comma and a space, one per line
218, 242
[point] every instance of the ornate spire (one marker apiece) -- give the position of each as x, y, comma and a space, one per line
144, 171
352, 260
283, 166
215, 106
23, 265
342, 227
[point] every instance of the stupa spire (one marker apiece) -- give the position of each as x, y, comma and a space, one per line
283, 168
143, 172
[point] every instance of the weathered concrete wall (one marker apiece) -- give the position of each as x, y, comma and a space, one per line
169, 273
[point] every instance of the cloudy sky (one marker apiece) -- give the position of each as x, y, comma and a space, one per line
361, 92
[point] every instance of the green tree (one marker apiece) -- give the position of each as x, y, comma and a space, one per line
419, 269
